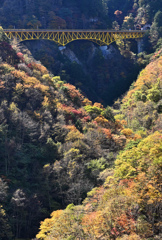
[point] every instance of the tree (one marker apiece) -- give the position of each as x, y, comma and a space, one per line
128, 22
5, 232
3, 190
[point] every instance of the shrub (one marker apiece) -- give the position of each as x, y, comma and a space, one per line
6, 68
154, 95
39, 67
93, 111
102, 121
127, 132
108, 114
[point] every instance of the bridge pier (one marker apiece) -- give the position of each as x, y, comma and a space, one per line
140, 45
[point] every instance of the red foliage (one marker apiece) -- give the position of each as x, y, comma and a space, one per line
87, 118
73, 92
30, 66
21, 56
77, 112
107, 132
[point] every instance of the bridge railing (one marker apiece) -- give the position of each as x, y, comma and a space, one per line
71, 30
65, 36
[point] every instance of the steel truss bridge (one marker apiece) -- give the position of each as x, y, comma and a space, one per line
63, 37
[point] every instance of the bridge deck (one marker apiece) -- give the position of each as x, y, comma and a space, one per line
65, 36
73, 30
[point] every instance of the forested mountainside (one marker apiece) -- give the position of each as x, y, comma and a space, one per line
76, 13
83, 63
53, 141
128, 205
56, 146
96, 169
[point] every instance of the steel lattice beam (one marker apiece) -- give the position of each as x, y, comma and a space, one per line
63, 37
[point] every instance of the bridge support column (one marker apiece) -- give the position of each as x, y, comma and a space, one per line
140, 45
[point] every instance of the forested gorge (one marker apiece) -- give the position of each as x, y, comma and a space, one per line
72, 168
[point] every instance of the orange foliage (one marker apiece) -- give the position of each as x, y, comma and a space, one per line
102, 121
1, 84
88, 222
126, 223
99, 105
39, 67
137, 136
107, 132
41, 87
19, 74
123, 122
127, 132
118, 124
73, 92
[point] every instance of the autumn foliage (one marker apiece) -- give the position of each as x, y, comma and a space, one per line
127, 203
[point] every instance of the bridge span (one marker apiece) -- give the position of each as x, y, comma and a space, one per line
63, 37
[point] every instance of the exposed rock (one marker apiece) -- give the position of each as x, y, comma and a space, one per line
70, 55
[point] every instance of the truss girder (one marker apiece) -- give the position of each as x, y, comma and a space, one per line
63, 37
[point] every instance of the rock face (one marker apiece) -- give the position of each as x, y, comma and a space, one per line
108, 51
70, 55
102, 73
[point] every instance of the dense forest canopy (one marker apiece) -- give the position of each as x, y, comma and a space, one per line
74, 13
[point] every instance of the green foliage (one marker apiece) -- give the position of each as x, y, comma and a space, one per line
132, 144
108, 114
93, 110
98, 164
154, 94
46, 160
130, 162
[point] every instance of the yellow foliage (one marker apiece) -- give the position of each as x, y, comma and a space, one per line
37, 115
47, 224
13, 107
39, 68
74, 135
46, 77
19, 74
127, 132
86, 102
41, 87
46, 102
31, 81
19, 88
147, 77
6, 67
132, 236
102, 121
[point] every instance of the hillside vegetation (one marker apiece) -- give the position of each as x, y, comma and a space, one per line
72, 168
54, 142
128, 204
114, 71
